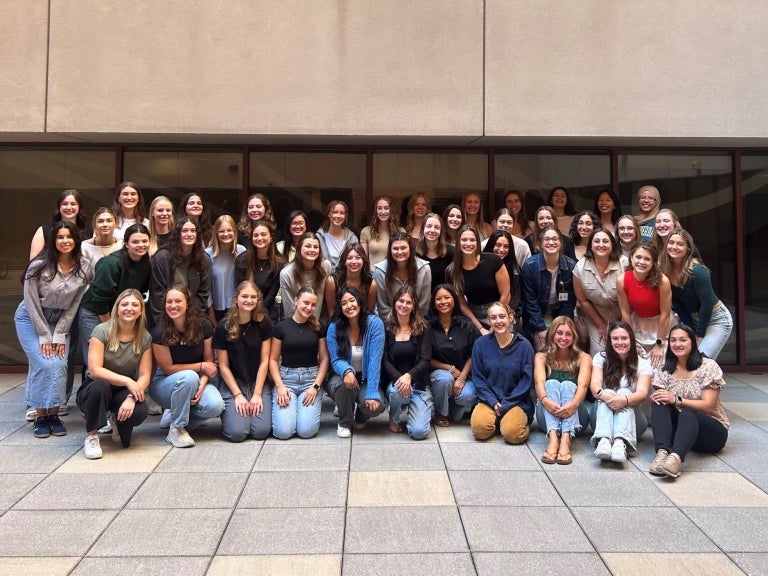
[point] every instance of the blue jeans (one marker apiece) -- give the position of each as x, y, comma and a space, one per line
236, 428
626, 424
87, 321
295, 418
562, 393
442, 389
717, 333
419, 406
47, 377
176, 391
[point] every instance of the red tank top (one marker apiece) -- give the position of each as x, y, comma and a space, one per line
645, 301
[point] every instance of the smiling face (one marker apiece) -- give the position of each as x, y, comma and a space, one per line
432, 229
646, 199
255, 209
350, 307
501, 247
585, 226
69, 208
248, 298
310, 250
559, 198
605, 203
401, 251
194, 206
550, 242
105, 224
444, 302
664, 224
504, 222
137, 246
563, 336
338, 215
680, 343
544, 219
513, 204
626, 231
468, 243
620, 342
472, 204
162, 212
383, 210
353, 262
261, 237
175, 304
601, 245
225, 234
420, 207
677, 247
306, 304
298, 226
65, 243
129, 308
188, 235
499, 319
642, 261
455, 219
404, 305
128, 198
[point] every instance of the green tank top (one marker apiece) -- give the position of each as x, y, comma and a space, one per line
562, 375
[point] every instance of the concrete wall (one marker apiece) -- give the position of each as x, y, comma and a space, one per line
453, 71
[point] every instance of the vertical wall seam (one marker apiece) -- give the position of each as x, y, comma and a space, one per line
47, 68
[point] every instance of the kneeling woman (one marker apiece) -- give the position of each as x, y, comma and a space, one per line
242, 342
406, 364
298, 364
561, 373
687, 413
502, 363
183, 348
119, 370
620, 383
355, 346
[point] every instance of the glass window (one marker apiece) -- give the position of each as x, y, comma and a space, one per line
214, 174
30, 180
308, 181
583, 175
444, 177
698, 186
754, 185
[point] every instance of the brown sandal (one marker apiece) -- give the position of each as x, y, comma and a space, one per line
441, 420
394, 427
564, 459
549, 458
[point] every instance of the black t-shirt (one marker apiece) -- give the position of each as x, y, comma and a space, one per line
244, 355
299, 343
480, 284
438, 265
455, 347
185, 353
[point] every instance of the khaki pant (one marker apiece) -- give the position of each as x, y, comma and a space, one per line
513, 425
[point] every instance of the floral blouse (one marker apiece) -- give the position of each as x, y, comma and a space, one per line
708, 375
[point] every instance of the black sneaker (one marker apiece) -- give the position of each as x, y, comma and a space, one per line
41, 429
56, 425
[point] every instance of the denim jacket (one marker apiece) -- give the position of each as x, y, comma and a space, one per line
537, 282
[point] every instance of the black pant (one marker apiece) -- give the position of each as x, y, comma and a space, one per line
686, 430
96, 397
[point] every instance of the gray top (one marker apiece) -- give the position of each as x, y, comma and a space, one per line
222, 277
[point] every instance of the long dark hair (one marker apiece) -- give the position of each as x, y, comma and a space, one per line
193, 332
513, 266
695, 358
317, 265
139, 213
614, 368
616, 214
366, 278
81, 221
416, 321
49, 255
568, 210
287, 236
573, 232
392, 265
456, 312
457, 272
125, 259
342, 322
252, 257
522, 216
204, 226
174, 243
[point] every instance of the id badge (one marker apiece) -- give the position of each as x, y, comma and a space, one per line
562, 297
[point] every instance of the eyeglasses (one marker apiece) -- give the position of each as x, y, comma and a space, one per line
550, 240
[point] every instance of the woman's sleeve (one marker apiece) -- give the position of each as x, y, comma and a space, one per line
534, 322
35, 309
287, 291
64, 325
274, 286
158, 283
339, 365
483, 386
421, 370
241, 263
387, 362
373, 356
702, 284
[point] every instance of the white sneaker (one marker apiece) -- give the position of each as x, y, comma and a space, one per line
603, 450
30, 415
108, 428
92, 447
343, 432
179, 438
165, 420
619, 451
63, 409
113, 428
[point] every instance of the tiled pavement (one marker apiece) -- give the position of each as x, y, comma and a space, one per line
377, 504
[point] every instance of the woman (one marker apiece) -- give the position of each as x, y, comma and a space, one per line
183, 262
472, 206
645, 299
353, 270
184, 384
594, 284
307, 269
560, 201
119, 370
256, 207
69, 204
128, 268
452, 339
608, 207
160, 224
648, 203
502, 364
620, 383
103, 242
547, 287
514, 201
355, 347
479, 278
628, 233
686, 412
262, 265
401, 268
419, 205
335, 235
544, 217
242, 341
519, 248
454, 220
298, 364
502, 244
433, 249
295, 228
223, 251
405, 366
561, 374
192, 206
128, 206
384, 223
54, 284
582, 226
693, 298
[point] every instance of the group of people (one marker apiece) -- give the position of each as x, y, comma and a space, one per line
446, 317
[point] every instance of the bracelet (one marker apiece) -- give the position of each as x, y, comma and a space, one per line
600, 391
545, 397
452, 369
627, 397
460, 379
239, 394
201, 367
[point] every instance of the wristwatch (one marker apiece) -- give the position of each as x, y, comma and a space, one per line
316, 387
659, 341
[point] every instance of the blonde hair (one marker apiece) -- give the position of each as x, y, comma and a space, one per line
152, 232
224, 219
550, 350
113, 336
232, 320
